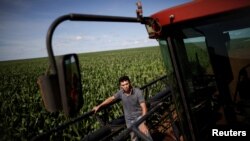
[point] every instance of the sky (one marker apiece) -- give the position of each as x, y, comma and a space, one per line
24, 25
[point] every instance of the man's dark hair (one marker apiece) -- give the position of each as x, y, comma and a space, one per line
124, 78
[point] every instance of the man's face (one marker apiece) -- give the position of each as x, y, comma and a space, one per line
125, 85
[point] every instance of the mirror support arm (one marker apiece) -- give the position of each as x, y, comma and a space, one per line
78, 17
50, 32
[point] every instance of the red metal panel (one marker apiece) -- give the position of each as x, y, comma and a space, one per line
197, 9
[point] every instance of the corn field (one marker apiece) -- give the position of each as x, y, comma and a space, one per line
22, 111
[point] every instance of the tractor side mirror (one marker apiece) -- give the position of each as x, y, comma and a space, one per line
69, 77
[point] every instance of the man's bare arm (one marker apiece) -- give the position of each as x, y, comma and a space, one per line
144, 108
105, 102
142, 127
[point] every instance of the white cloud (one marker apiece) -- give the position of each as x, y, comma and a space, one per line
78, 37
89, 38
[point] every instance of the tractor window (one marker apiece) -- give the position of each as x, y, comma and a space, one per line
200, 80
166, 56
239, 54
215, 64
223, 49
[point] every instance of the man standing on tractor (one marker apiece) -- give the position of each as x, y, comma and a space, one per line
134, 105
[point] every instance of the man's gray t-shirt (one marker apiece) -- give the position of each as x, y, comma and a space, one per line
131, 103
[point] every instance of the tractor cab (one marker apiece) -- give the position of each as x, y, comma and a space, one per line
205, 46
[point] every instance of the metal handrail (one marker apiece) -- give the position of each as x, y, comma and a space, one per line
153, 82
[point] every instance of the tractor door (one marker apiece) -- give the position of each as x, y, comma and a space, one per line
193, 76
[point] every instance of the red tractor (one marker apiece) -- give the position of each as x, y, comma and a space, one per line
205, 45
